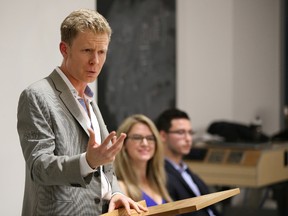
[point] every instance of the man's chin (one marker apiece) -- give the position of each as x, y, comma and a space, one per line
91, 79
186, 152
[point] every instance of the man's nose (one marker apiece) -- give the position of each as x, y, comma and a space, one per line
94, 58
188, 136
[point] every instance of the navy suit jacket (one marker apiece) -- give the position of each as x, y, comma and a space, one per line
179, 189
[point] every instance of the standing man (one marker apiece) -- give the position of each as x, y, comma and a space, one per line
176, 133
65, 143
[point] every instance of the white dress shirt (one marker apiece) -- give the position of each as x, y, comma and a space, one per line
85, 169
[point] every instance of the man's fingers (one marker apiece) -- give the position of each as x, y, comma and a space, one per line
111, 207
138, 208
128, 209
92, 136
120, 200
122, 137
134, 205
109, 138
114, 140
143, 208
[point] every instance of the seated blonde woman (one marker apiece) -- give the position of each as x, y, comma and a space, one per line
139, 166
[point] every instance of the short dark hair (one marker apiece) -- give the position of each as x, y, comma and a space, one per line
163, 122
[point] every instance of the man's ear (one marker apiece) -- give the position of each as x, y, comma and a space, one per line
163, 135
63, 49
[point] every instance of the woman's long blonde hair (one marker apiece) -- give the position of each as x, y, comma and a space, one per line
125, 171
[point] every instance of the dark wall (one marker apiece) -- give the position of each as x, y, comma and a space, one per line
285, 51
140, 70
284, 82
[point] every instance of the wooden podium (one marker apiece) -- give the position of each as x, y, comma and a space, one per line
181, 206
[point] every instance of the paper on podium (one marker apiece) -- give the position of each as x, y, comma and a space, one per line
180, 206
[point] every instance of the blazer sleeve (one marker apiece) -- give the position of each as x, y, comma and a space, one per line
47, 158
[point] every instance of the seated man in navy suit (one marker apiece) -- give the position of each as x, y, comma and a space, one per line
176, 132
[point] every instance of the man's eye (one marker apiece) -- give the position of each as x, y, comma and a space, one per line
88, 50
102, 52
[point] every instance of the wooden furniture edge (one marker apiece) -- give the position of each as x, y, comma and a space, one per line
180, 206
122, 211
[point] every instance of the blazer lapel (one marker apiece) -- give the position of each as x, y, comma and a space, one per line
71, 104
176, 173
108, 168
201, 185
66, 96
102, 125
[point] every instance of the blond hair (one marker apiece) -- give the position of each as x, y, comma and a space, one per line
155, 169
81, 20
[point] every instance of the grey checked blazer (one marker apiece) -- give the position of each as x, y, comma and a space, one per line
53, 133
